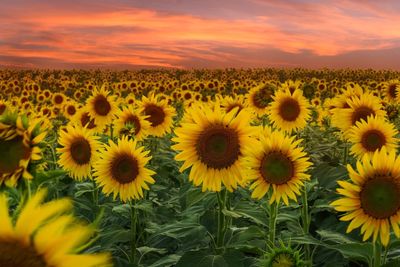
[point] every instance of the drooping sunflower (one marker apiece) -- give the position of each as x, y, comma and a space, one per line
101, 106
160, 115
359, 108
372, 199
289, 112
277, 162
132, 122
20, 140
78, 151
45, 235
121, 170
371, 135
212, 143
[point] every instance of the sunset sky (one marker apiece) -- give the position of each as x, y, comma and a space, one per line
196, 34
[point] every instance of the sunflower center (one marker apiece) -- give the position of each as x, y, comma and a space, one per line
289, 109
11, 153
101, 105
71, 110
373, 140
134, 121
13, 253
124, 168
156, 114
276, 168
380, 197
262, 98
81, 151
392, 90
361, 113
58, 99
218, 147
87, 121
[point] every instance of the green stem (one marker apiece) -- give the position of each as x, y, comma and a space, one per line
95, 193
377, 254
305, 216
133, 232
111, 131
221, 218
273, 213
345, 154
28, 186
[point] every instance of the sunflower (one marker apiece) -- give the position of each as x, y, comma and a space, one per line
132, 122
83, 119
45, 235
212, 143
391, 91
372, 199
159, 114
121, 170
237, 102
78, 152
58, 99
259, 97
277, 162
70, 109
289, 112
19, 145
359, 108
101, 106
371, 135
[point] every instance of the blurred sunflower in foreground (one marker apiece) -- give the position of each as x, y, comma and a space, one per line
19, 145
372, 199
45, 235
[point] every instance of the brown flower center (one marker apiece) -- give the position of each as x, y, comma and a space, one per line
71, 110
276, 168
361, 113
218, 147
58, 99
156, 114
101, 105
11, 153
372, 140
13, 253
289, 109
392, 90
124, 168
380, 196
81, 151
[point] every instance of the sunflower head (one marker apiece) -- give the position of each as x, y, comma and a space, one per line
101, 106
277, 162
20, 141
372, 199
282, 256
121, 170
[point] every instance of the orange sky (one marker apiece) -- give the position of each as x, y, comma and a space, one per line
186, 34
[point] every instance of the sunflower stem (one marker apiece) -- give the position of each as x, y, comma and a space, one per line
273, 214
111, 131
377, 254
221, 197
305, 216
133, 229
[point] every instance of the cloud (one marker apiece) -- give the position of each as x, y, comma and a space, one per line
264, 33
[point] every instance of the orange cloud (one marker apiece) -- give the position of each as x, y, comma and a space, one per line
147, 37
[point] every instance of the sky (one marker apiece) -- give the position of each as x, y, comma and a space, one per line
130, 34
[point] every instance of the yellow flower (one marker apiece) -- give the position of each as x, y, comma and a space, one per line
372, 199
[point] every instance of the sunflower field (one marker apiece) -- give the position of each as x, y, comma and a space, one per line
198, 168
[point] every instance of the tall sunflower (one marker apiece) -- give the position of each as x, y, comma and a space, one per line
371, 135
132, 122
45, 235
277, 162
212, 143
289, 111
101, 106
160, 115
78, 151
121, 169
19, 145
372, 199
